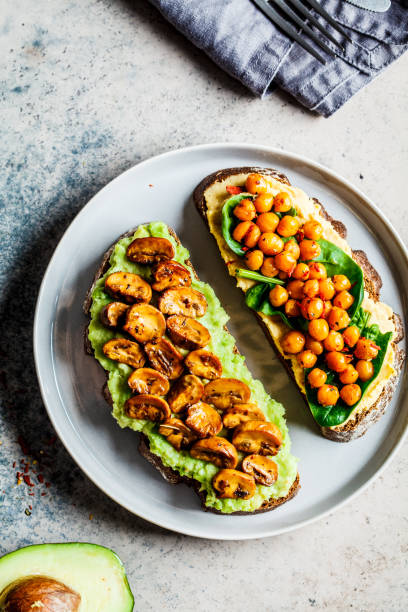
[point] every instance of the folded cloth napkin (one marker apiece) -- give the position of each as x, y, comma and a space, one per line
242, 41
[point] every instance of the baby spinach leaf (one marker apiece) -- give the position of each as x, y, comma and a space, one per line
229, 222
361, 319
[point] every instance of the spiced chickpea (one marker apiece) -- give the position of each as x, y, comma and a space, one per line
245, 210
366, 349
309, 249
285, 261
295, 289
306, 359
254, 259
292, 308
338, 318
267, 222
293, 342
241, 230
326, 289
317, 270
288, 226
282, 202
344, 300
257, 183
318, 329
252, 236
270, 243
314, 345
301, 271
365, 369
283, 275
263, 202
313, 230
334, 341
350, 394
316, 378
328, 395
349, 375
311, 288
278, 296
350, 335
341, 282
327, 306
337, 361
291, 246
268, 267
311, 308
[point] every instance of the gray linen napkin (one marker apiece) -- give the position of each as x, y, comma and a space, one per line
242, 41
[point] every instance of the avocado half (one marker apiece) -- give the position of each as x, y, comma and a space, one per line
73, 577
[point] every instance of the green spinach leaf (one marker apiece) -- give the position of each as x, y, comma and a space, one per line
229, 222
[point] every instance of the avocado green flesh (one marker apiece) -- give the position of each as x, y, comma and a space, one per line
222, 344
94, 572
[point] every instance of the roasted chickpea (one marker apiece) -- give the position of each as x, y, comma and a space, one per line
314, 345
293, 342
291, 246
317, 270
309, 249
301, 271
366, 349
326, 289
252, 236
328, 395
285, 261
263, 203
270, 243
344, 300
288, 226
254, 259
341, 283
349, 375
318, 329
365, 369
268, 267
282, 275
311, 288
295, 289
278, 296
337, 361
282, 202
338, 318
292, 308
350, 394
311, 308
245, 210
317, 378
334, 341
241, 230
257, 183
312, 230
306, 359
351, 335
267, 222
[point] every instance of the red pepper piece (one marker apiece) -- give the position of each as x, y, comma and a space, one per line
233, 190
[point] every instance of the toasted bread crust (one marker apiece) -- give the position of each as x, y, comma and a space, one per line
170, 475
356, 427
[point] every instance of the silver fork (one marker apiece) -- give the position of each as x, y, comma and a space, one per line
289, 29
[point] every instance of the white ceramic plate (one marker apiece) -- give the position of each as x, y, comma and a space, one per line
160, 189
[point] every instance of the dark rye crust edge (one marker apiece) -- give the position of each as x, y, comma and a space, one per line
358, 425
170, 475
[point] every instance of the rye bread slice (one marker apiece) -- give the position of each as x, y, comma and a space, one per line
170, 475
357, 426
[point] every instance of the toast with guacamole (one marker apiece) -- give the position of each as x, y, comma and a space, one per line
174, 374
317, 300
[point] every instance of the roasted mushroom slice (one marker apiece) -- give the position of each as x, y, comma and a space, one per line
186, 391
125, 351
203, 420
259, 437
241, 413
204, 364
216, 450
113, 314
187, 332
149, 407
183, 301
177, 433
128, 287
233, 484
165, 358
225, 392
263, 469
145, 323
170, 274
150, 250
147, 380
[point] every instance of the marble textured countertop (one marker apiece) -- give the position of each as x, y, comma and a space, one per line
89, 88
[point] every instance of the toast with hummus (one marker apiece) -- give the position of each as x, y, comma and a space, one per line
173, 373
317, 300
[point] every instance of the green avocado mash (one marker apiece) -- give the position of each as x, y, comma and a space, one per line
222, 344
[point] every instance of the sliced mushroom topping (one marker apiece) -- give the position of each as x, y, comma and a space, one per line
259, 437
263, 469
187, 332
165, 358
170, 274
183, 301
40, 593
241, 413
225, 392
149, 407
128, 287
216, 450
145, 323
147, 380
113, 314
125, 351
177, 433
186, 391
203, 420
204, 364
150, 250
233, 484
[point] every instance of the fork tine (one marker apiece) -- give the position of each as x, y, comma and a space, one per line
302, 9
274, 16
286, 9
318, 7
